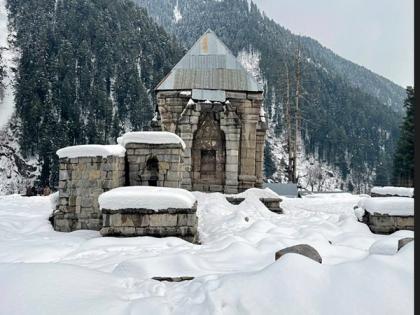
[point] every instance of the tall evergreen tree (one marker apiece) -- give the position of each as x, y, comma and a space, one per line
403, 172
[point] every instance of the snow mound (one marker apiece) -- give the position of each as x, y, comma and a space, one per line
258, 193
47, 272
388, 205
389, 244
89, 150
394, 191
146, 197
150, 137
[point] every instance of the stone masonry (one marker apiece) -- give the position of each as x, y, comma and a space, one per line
210, 101
155, 164
386, 224
234, 131
82, 180
180, 223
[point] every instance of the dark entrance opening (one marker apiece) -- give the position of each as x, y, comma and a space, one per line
208, 162
152, 166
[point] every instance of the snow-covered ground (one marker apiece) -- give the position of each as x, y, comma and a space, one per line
47, 272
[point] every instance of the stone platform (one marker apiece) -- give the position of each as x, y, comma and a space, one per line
386, 224
385, 215
149, 211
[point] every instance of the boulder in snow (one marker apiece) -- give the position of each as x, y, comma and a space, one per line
301, 249
404, 241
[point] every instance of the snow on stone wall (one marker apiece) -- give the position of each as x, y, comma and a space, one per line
146, 197
399, 206
393, 191
150, 137
91, 150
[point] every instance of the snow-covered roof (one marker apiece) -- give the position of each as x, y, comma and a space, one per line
150, 137
393, 191
209, 65
398, 206
91, 150
146, 197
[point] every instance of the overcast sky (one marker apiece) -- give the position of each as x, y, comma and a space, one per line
377, 34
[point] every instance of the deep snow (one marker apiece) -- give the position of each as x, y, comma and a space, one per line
146, 197
399, 206
150, 137
91, 150
47, 272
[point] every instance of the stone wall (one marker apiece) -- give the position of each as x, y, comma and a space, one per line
155, 164
145, 222
82, 180
241, 126
387, 224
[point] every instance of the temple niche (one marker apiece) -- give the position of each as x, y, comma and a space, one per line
208, 154
211, 102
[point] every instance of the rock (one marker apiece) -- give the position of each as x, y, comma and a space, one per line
404, 241
173, 279
301, 249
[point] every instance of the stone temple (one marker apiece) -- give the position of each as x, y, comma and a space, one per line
215, 106
208, 136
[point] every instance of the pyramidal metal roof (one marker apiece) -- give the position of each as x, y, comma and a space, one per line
209, 65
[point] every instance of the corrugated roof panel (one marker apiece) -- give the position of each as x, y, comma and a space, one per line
209, 64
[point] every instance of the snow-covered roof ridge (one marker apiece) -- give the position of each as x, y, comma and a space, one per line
91, 150
146, 197
397, 206
151, 137
393, 191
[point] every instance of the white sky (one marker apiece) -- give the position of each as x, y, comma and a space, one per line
377, 34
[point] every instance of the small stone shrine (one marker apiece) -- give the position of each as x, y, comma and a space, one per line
154, 158
86, 171
215, 106
209, 134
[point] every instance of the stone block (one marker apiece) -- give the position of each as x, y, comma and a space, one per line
162, 220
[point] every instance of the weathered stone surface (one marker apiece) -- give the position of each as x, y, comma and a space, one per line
82, 180
387, 224
219, 148
404, 241
273, 204
301, 249
147, 222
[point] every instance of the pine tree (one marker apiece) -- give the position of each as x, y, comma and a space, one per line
403, 172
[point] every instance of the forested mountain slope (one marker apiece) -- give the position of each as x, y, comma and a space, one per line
85, 72
350, 116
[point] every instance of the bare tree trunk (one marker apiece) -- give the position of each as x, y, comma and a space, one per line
290, 146
297, 113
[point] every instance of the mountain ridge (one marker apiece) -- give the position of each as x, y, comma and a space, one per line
351, 115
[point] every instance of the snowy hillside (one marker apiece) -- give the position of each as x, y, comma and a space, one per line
15, 171
313, 175
47, 272
8, 54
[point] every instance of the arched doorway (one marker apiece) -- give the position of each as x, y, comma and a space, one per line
208, 154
